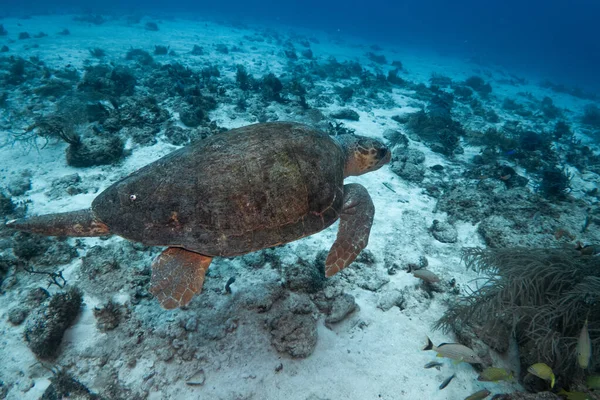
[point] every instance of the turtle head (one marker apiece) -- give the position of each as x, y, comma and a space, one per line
363, 154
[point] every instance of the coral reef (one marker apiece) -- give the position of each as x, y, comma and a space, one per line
591, 115
197, 50
527, 177
44, 329
347, 114
151, 26
377, 58
7, 206
108, 316
106, 80
294, 328
555, 183
271, 88
140, 56
444, 232
64, 385
479, 85
160, 50
543, 295
97, 52
408, 164
441, 132
573, 91
98, 150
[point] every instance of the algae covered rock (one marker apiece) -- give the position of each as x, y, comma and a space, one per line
444, 232
95, 151
17, 315
27, 245
304, 276
108, 316
293, 327
347, 114
20, 185
6, 205
408, 164
342, 306
65, 386
45, 329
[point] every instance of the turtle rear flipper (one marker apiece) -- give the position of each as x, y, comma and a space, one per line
82, 223
353, 233
177, 275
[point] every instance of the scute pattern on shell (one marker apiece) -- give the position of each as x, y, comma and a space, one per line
235, 192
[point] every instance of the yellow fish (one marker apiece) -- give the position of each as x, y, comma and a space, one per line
493, 374
584, 347
482, 394
542, 371
574, 395
593, 382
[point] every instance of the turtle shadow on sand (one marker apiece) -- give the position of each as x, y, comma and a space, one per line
236, 192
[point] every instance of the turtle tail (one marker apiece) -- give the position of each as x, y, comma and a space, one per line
82, 223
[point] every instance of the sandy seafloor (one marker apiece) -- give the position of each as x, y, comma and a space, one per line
372, 354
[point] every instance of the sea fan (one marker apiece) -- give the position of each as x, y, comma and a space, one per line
544, 295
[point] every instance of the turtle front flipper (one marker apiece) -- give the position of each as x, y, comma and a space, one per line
82, 223
356, 220
177, 275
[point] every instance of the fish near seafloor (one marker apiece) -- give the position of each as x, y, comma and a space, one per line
447, 381
433, 364
493, 374
454, 351
426, 275
584, 347
542, 371
574, 395
593, 382
482, 394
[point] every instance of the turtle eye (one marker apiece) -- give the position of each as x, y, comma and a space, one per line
382, 153
133, 197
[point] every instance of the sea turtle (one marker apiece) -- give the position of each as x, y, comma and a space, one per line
233, 193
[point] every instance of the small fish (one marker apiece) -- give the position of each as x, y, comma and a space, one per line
387, 185
447, 381
228, 284
426, 275
584, 347
493, 374
593, 381
454, 351
574, 395
433, 364
542, 371
482, 394
587, 250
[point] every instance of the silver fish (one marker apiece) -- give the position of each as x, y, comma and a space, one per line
426, 275
454, 351
584, 347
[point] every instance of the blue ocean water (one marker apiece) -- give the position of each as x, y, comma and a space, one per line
554, 40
